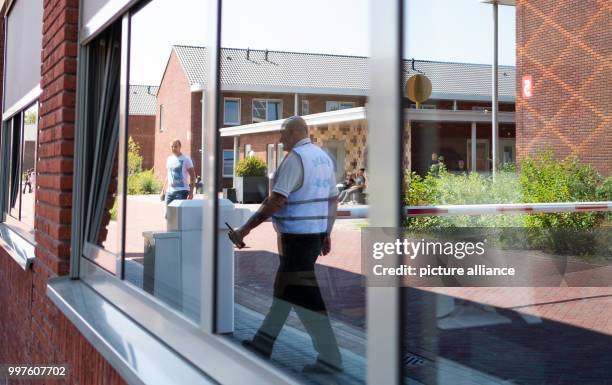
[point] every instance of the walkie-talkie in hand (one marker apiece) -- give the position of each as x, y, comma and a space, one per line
240, 244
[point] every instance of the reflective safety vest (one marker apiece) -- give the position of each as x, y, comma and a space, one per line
307, 208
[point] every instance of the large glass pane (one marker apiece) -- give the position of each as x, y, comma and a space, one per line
163, 217
231, 111
295, 302
228, 163
527, 181
28, 167
274, 112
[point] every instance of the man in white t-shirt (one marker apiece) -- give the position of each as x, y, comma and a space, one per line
180, 180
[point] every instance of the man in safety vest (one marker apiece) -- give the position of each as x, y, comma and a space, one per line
302, 205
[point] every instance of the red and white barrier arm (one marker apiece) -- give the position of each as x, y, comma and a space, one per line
507, 208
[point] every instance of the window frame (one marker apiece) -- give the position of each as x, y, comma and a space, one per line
266, 101
231, 151
230, 123
162, 126
305, 106
338, 103
271, 157
280, 154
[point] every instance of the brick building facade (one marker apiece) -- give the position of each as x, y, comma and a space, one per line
33, 331
179, 113
141, 121
565, 48
248, 75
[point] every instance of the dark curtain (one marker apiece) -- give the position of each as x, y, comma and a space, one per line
101, 131
15, 131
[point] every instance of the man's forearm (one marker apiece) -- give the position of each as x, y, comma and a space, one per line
192, 180
331, 219
269, 206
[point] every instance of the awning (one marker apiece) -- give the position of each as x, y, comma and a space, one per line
359, 113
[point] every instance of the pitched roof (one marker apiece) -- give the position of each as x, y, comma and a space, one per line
324, 73
143, 99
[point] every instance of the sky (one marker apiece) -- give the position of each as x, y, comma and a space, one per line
444, 30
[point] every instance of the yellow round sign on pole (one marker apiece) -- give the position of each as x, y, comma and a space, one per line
418, 88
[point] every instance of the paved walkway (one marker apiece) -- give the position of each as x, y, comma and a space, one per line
525, 335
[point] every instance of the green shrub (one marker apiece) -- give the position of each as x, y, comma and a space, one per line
462, 189
113, 211
251, 166
144, 182
604, 191
134, 159
543, 178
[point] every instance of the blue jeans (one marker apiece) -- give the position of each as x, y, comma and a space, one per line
173, 195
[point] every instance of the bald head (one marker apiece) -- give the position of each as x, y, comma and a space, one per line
296, 124
293, 130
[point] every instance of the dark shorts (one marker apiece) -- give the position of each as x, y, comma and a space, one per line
176, 195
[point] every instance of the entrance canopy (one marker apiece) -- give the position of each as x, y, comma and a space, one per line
359, 113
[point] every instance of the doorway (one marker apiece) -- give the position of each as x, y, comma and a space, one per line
482, 155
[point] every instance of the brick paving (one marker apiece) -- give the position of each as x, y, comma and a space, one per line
521, 335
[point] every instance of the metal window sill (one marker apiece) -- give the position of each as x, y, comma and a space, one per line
135, 354
19, 247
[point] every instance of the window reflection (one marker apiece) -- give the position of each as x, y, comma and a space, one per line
163, 213
21, 133
295, 302
455, 157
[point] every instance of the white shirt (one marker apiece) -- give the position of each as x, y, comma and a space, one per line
178, 176
290, 174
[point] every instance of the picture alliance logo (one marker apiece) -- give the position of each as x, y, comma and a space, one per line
412, 249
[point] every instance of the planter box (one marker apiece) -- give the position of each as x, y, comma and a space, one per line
230, 193
251, 189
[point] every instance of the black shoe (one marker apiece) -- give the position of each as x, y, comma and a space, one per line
257, 349
322, 367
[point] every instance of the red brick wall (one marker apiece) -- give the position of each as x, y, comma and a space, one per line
142, 130
32, 329
175, 95
566, 47
259, 144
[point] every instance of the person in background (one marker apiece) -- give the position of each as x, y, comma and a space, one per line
460, 169
28, 181
434, 165
180, 180
302, 205
32, 179
199, 185
348, 182
359, 185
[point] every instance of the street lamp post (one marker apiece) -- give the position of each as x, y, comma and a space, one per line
495, 81
495, 91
